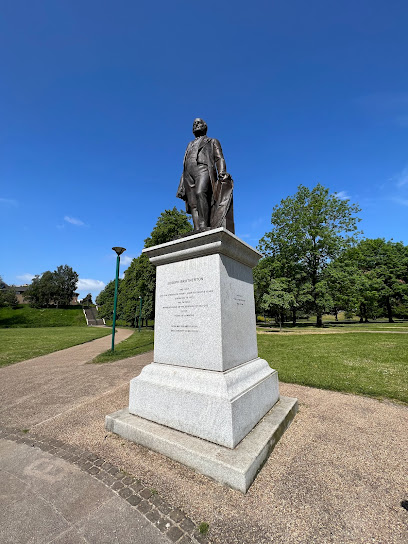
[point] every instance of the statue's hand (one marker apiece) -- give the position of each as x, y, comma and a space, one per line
224, 176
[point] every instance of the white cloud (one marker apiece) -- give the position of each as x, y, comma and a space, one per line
401, 179
342, 195
25, 277
125, 260
8, 201
90, 285
74, 221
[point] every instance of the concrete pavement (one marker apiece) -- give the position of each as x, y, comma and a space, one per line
47, 499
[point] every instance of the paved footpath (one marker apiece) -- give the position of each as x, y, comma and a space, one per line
51, 491
46, 499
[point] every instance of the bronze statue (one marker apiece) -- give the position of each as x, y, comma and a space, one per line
208, 196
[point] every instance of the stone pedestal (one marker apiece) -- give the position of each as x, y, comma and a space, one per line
206, 379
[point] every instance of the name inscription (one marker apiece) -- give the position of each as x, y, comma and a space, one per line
186, 300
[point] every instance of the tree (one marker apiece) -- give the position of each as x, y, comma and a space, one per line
169, 225
65, 280
140, 277
41, 292
87, 301
8, 295
105, 300
382, 280
278, 299
310, 229
56, 287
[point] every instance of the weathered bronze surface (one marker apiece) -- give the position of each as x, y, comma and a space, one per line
205, 184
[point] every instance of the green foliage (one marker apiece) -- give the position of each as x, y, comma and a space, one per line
21, 344
27, 317
105, 300
8, 296
139, 342
170, 224
87, 301
372, 278
203, 528
310, 230
56, 287
65, 280
140, 277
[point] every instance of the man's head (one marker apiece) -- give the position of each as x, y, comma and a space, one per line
199, 127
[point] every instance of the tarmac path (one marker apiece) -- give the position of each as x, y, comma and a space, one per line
338, 474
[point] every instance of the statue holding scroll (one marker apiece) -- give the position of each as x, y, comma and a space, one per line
205, 184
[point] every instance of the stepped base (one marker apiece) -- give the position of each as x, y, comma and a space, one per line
221, 407
236, 468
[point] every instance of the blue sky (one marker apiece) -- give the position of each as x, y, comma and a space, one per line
97, 100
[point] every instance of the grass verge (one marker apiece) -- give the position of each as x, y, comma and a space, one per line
24, 316
139, 342
369, 364
25, 343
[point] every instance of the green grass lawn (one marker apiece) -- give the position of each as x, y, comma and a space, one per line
134, 345
25, 343
362, 363
24, 316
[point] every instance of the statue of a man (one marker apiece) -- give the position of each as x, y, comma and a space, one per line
205, 185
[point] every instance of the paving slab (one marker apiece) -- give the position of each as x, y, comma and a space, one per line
45, 499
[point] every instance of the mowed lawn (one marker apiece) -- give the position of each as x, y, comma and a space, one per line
373, 364
138, 343
25, 316
18, 344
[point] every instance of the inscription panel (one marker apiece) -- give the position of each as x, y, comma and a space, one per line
188, 313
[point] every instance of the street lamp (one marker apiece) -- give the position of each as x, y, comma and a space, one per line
118, 251
140, 311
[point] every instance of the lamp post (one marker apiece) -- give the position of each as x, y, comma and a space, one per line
140, 311
118, 251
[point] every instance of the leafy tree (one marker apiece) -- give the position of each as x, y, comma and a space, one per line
170, 225
56, 287
41, 292
105, 300
383, 276
278, 299
311, 229
8, 295
65, 281
140, 277
87, 301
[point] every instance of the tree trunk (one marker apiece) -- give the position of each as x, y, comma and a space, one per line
294, 316
319, 320
389, 310
282, 319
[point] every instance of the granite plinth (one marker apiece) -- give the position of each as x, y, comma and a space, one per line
205, 309
236, 467
206, 390
221, 407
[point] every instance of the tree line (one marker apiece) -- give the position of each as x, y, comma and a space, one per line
315, 261
140, 278
55, 288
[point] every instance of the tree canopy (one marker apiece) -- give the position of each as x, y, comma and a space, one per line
309, 230
140, 278
55, 288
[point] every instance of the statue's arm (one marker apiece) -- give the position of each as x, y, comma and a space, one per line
219, 158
